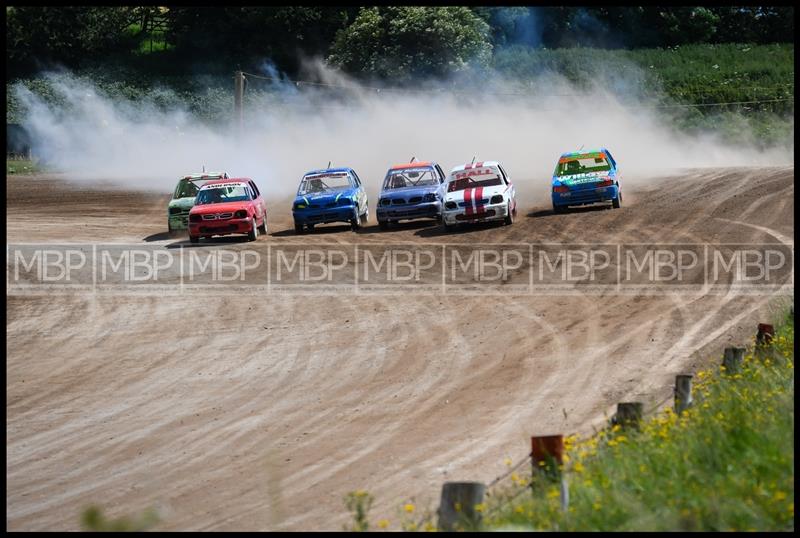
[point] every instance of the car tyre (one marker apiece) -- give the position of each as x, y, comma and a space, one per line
559, 209
252, 235
383, 224
263, 227
194, 239
617, 202
509, 220
355, 222
298, 227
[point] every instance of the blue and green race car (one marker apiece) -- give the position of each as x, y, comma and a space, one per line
585, 177
330, 195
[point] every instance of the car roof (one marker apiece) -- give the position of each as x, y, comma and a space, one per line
419, 164
230, 180
478, 164
328, 171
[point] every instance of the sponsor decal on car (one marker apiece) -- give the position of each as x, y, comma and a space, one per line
586, 177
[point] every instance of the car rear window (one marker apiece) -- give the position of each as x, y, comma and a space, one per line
581, 164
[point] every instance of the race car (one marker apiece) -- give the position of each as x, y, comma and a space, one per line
183, 198
411, 191
585, 177
330, 195
228, 206
478, 192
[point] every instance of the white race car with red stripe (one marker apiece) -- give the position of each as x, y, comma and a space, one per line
479, 191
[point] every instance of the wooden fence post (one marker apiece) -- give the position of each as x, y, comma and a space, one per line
733, 359
238, 101
629, 414
547, 457
764, 337
765, 334
457, 506
683, 392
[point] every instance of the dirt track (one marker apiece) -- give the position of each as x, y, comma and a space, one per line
260, 413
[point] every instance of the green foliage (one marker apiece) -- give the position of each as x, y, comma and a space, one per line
19, 166
727, 463
250, 35
358, 503
37, 36
93, 519
409, 41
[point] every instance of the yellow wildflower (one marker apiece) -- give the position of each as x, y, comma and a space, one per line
409, 508
383, 523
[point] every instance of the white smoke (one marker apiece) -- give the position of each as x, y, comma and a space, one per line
140, 145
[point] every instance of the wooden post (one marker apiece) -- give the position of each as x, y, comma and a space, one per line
765, 334
683, 392
457, 506
547, 457
629, 414
238, 99
733, 359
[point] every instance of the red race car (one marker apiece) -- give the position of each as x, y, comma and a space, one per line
228, 206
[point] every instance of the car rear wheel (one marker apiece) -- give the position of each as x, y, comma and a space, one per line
617, 202
559, 208
252, 235
383, 224
194, 238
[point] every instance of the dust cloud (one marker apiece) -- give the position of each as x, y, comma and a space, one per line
293, 129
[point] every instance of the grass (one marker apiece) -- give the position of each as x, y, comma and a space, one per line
17, 166
727, 463
697, 74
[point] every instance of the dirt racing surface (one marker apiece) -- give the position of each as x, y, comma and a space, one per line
260, 412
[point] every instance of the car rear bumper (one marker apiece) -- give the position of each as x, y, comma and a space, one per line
585, 196
425, 210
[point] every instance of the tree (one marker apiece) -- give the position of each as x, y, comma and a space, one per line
254, 34
409, 41
41, 36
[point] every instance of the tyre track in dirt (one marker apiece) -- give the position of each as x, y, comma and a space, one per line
254, 413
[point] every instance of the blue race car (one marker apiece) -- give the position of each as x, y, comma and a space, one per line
586, 177
410, 191
331, 195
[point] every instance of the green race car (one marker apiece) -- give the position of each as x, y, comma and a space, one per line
183, 198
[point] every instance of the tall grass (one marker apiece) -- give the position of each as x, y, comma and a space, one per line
727, 463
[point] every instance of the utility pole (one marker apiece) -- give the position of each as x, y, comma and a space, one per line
238, 97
